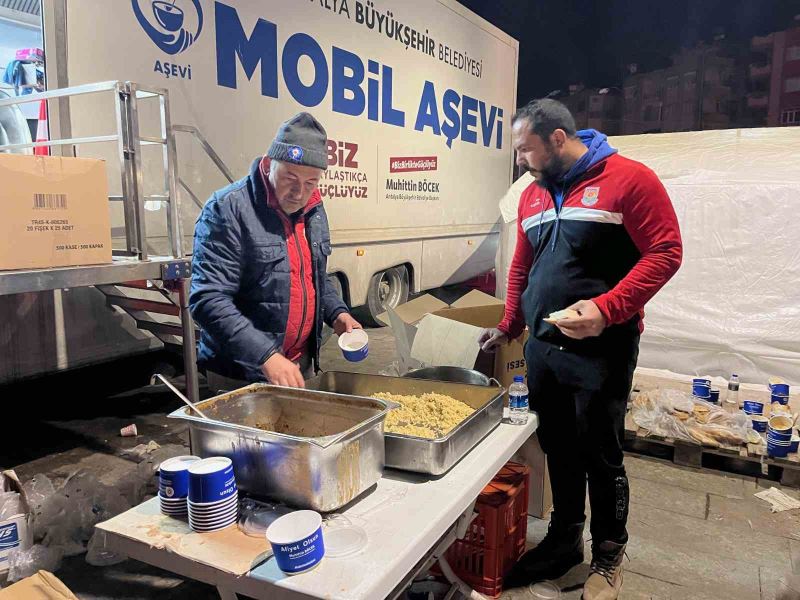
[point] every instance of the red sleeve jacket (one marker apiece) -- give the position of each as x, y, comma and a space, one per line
615, 241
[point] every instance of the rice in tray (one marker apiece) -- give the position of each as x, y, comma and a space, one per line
427, 416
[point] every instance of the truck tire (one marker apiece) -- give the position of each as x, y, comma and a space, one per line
327, 332
387, 289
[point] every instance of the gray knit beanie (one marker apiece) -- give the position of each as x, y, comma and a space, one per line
302, 141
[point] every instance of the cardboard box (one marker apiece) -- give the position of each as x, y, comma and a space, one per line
54, 212
15, 531
432, 333
429, 332
540, 499
41, 586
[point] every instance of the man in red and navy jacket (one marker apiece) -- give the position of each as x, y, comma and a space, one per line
260, 291
597, 233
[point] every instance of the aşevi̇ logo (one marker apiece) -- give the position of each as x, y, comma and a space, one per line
170, 28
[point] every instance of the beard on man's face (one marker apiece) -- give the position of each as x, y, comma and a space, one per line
550, 172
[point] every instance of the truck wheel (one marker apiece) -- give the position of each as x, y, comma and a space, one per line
387, 289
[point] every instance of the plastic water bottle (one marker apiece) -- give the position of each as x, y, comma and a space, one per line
518, 401
732, 399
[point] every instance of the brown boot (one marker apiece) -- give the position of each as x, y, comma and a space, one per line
605, 580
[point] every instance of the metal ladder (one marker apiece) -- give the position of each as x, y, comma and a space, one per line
152, 304
168, 276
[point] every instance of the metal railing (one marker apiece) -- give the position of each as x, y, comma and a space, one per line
129, 142
210, 152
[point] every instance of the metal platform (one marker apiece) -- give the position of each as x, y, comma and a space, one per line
170, 275
122, 269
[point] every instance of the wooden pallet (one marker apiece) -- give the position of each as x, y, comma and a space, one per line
691, 454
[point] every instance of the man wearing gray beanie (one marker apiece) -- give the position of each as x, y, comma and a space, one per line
260, 291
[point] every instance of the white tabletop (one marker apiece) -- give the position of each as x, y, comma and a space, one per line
404, 516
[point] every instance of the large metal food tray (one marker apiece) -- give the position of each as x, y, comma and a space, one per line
326, 448
409, 453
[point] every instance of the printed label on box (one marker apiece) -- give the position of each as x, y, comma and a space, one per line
9, 538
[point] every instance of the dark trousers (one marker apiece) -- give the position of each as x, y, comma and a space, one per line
581, 402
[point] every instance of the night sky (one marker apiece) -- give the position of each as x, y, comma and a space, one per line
591, 41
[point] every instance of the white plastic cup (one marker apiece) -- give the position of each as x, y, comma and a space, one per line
296, 541
354, 345
129, 431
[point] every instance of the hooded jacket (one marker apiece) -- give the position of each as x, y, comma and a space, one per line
606, 231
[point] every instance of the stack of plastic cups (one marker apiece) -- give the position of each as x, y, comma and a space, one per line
701, 388
173, 485
755, 410
213, 495
779, 436
780, 393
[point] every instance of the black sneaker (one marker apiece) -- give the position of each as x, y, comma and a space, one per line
559, 551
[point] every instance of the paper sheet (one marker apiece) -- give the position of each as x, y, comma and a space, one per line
446, 343
228, 550
404, 338
778, 500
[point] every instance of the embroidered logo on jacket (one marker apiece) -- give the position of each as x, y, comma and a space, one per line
590, 196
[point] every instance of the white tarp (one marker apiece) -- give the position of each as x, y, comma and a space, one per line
509, 203
733, 306
508, 232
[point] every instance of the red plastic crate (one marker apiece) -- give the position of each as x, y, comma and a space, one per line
495, 539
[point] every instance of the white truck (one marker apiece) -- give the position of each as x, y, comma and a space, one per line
416, 97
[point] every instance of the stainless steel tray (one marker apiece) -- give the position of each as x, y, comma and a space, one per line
326, 450
409, 453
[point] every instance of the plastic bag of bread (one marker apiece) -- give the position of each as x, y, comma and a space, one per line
699, 435
658, 420
676, 414
677, 400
